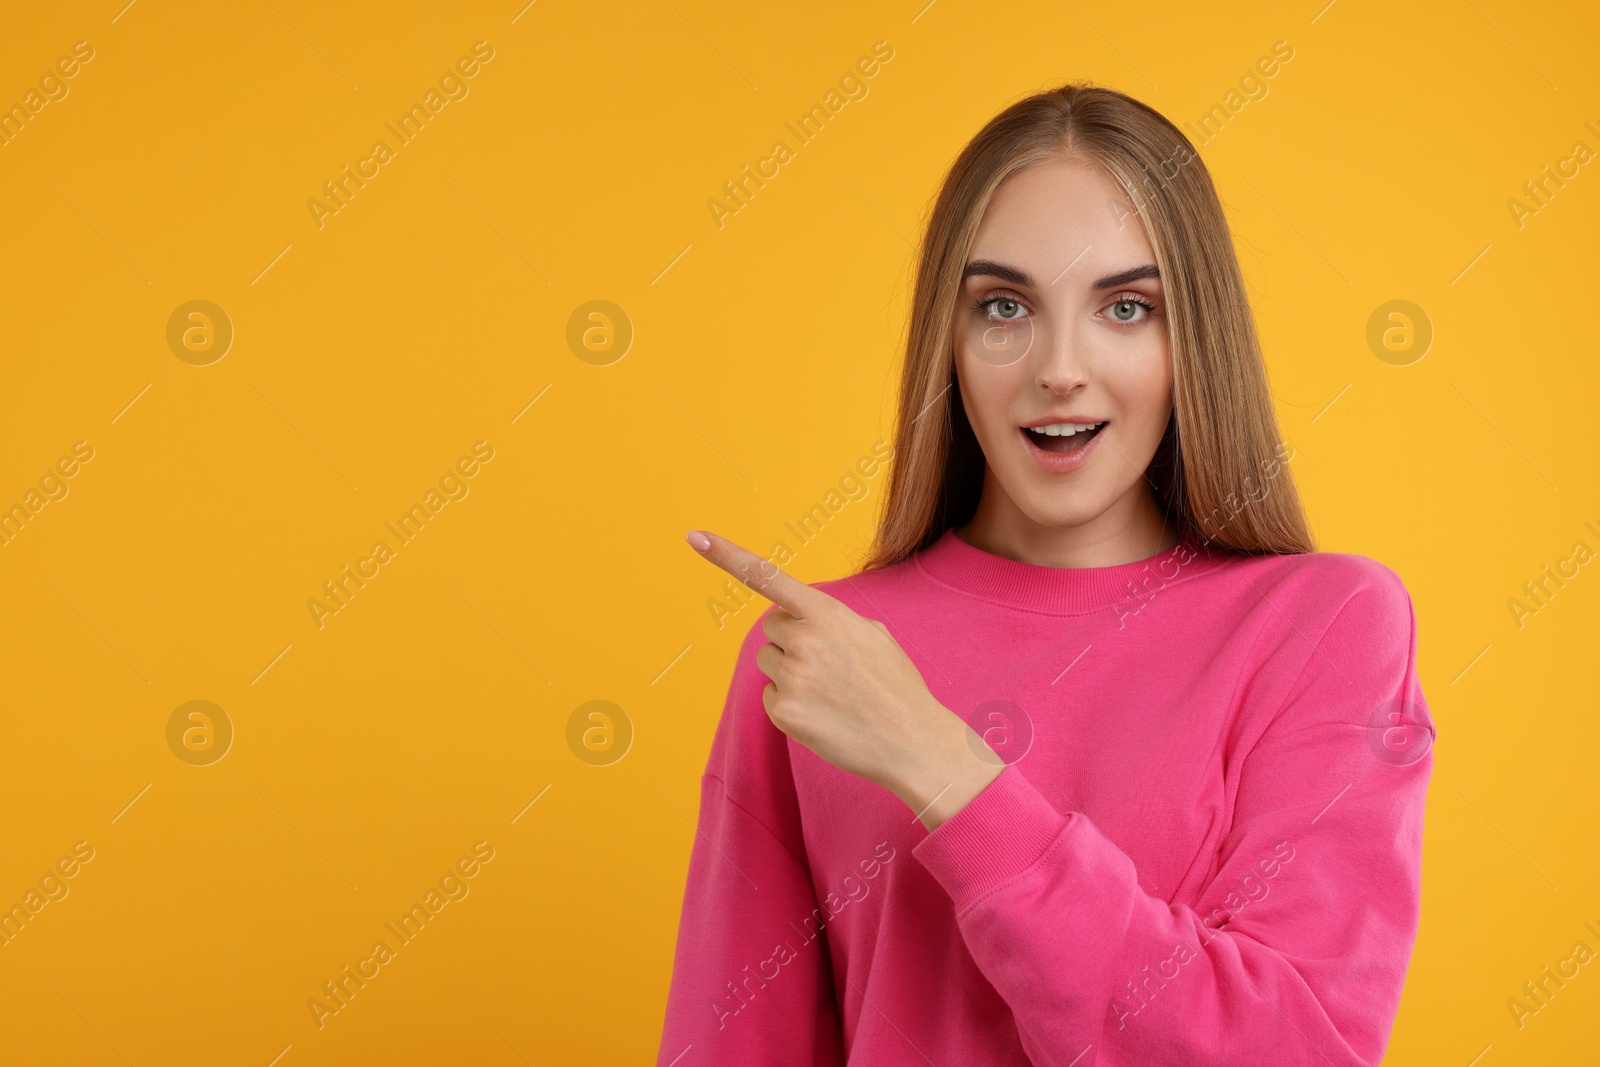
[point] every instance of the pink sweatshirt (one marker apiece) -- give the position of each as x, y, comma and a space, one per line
1204, 848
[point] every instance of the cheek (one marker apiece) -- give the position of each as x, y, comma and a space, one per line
988, 394
1141, 389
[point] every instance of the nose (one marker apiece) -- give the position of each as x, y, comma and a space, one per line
1062, 364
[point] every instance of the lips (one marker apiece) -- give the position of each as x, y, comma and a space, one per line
1062, 437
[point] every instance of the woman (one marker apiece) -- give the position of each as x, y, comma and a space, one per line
1097, 761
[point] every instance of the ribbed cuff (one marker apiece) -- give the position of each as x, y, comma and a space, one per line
1003, 831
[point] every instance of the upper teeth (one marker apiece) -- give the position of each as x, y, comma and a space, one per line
1064, 429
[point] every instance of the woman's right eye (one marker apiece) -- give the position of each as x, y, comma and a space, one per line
1001, 308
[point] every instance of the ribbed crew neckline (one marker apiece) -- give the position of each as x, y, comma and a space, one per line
952, 562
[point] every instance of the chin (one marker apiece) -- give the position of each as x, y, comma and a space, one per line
1063, 514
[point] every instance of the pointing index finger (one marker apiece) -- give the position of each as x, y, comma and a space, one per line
789, 593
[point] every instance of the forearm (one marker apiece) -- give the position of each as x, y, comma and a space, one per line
1054, 916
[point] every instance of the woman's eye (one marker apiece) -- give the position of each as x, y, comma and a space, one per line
1127, 310
1005, 309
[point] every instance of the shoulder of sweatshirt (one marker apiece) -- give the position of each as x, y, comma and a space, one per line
868, 592
1312, 585
1335, 575
1333, 639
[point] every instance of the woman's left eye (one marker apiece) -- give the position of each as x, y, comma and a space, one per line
1126, 308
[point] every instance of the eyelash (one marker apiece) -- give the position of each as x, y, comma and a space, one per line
1121, 298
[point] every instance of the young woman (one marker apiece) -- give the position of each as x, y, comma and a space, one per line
1097, 761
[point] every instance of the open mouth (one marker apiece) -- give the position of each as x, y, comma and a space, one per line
1062, 436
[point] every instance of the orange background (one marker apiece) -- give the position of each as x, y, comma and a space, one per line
370, 353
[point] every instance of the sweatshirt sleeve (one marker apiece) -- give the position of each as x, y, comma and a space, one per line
747, 987
1296, 949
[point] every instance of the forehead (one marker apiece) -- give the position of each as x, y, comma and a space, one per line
1045, 216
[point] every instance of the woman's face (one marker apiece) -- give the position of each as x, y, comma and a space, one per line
1062, 351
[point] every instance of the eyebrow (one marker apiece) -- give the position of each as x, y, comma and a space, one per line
989, 268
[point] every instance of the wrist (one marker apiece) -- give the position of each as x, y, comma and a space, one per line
959, 768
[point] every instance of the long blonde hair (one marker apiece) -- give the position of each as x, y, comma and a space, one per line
1221, 444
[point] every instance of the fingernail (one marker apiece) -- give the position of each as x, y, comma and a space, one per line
699, 540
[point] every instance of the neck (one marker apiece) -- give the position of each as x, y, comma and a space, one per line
1130, 530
